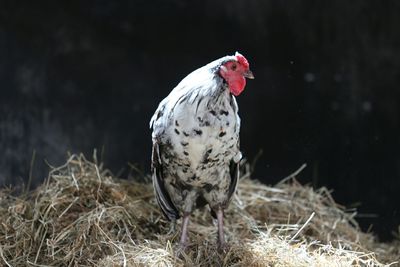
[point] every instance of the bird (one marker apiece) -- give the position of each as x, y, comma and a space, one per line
195, 136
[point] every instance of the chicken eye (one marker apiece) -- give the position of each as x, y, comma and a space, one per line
234, 66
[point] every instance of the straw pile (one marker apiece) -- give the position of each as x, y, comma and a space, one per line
83, 216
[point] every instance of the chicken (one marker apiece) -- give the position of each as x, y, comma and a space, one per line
195, 137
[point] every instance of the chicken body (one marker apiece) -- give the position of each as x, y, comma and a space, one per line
196, 145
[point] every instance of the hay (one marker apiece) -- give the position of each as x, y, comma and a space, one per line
83, 216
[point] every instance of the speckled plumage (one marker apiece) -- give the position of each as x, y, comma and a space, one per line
196, 143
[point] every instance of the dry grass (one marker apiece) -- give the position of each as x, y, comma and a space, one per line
83, 216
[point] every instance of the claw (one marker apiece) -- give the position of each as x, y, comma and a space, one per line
172, 228
223, 248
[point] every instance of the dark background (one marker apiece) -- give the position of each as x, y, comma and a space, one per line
79, 75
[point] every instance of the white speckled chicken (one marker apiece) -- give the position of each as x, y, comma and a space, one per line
196, 142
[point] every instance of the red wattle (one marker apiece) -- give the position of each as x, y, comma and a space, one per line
236, 86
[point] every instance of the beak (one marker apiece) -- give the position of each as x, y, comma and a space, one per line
248, 74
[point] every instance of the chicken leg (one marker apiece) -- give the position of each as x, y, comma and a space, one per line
222, 247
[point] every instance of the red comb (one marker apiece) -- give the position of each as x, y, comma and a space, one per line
242, 60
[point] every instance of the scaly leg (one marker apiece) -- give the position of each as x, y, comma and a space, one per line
185, 223
222, 247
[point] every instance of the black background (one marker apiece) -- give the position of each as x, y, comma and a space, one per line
79, 75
